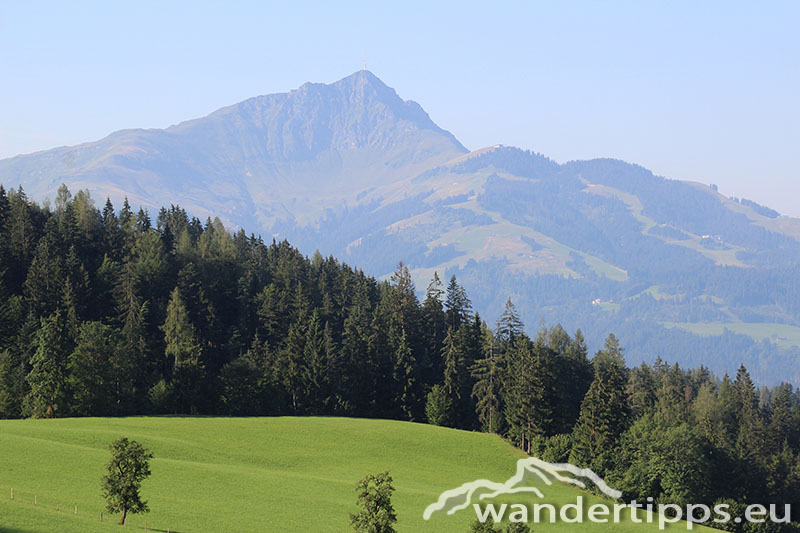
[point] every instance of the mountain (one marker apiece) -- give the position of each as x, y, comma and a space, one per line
672, 267
269, 158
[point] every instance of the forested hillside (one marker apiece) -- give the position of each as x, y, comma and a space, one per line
112, 313
353, 170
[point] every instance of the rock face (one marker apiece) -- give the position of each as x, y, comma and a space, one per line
673, 268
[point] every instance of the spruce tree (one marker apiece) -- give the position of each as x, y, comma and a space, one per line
604, 411
783, 422
101, 372
315, 389
486, 390
434, 329
530, 392
48, 376
44, 284
184, 350
454, 379
405, 382
509, 325
459, 306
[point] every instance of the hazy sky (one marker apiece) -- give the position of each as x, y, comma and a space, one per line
705, 91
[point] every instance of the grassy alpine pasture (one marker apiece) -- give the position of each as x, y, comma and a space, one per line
252, 474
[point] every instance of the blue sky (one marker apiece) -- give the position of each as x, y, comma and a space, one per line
705, 91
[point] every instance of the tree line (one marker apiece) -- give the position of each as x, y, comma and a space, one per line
108, 313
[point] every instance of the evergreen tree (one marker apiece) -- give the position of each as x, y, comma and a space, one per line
101, 372
293, 364
184, 350
48, 375
405, 384
641, 390
530, 392
509, 325
21, 237
453, 385
459, 306
604, 411
44, 282
783, 422
438, 407
486, 390
573, 374
433, 330
315, 367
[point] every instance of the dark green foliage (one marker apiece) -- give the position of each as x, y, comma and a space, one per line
376, 513
102, 372
184, 351
530, 392
483, 527
128, 467
104, 314
604, 412
667, 461
455, 376
48, 375
438, 407
487, 527
509, 325
486, 390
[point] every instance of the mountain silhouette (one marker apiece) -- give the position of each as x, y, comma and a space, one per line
674, 268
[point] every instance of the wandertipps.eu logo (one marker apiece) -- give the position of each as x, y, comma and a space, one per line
533, 476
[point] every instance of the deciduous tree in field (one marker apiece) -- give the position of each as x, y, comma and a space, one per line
376, 513
128, 467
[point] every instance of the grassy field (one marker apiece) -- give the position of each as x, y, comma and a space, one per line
250, 474
783, 335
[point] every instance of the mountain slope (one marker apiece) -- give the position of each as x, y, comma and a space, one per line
674, 268
254, 162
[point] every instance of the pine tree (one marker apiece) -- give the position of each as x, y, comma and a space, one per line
438, 407
641, 390
101, 372
573, 374
459, 306
434, 329
405, 384
48, 375
529, 392
183, 348
783, 422
21, 237
132, 316
486, 391
604, 411
293, 363
454, 379
509, 325
44, 282
315, 367
750, 437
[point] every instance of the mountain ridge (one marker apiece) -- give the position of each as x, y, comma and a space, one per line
352, 169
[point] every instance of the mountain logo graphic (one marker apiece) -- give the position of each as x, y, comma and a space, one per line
461, 497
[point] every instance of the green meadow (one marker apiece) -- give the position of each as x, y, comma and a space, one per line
252, 474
